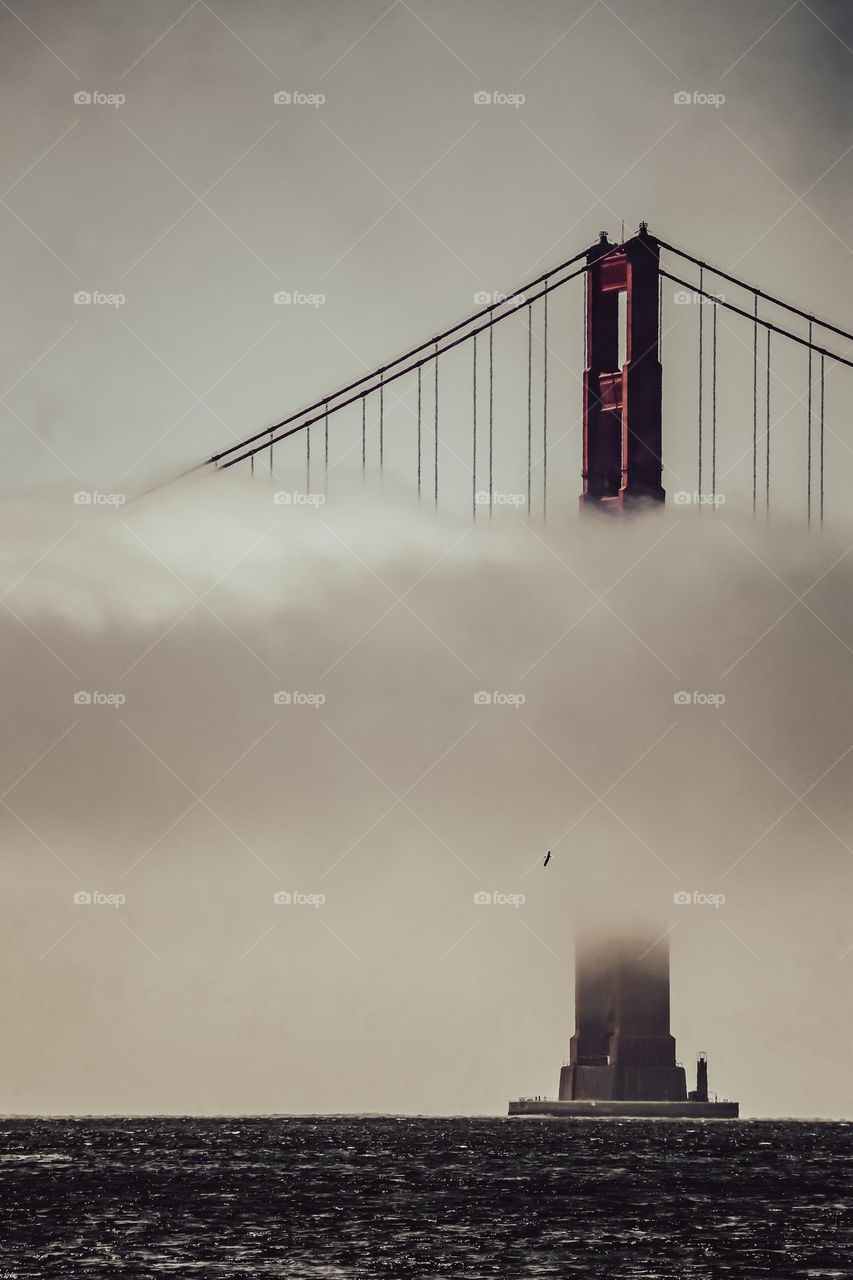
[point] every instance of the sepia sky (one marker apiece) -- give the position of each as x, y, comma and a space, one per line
179, 784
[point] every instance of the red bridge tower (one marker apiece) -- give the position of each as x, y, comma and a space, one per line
622, 406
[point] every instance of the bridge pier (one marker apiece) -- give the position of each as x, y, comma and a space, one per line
622, 1047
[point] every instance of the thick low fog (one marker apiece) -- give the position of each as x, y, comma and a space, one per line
383, 795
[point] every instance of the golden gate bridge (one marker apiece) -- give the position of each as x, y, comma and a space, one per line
621, 391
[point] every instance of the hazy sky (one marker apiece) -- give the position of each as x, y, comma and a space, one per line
398, 198
400, 798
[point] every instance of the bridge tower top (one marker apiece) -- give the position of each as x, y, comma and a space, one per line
622, 403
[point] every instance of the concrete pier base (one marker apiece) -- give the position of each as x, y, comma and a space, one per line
593, 1110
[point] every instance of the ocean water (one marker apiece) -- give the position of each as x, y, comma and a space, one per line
417, 1199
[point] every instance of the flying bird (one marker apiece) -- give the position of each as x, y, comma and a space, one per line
547, 858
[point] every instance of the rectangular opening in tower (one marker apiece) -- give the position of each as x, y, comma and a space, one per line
622, 358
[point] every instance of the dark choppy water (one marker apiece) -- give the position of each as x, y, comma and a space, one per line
324, 1199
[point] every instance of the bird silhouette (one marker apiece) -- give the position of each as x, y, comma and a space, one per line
547, 858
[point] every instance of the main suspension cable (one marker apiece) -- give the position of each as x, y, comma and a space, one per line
302, 423
759, 293
488, 311
767, 324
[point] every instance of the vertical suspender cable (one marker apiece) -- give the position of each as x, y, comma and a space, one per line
363, 437
529, 401
545, 413
271, 448
701, 319
767, 477
714, 407
585, 318
419, 430
809, 445
660, 341
755, 407
326, 450
436, 424
381, 425
252, 466
474, 439
491, 412
660, 316
822, 415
